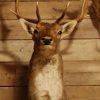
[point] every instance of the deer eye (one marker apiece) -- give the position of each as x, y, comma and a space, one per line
36, 31
60, 32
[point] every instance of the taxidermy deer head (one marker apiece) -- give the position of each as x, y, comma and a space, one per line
45, 76
47, 34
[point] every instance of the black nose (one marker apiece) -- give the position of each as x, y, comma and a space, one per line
46, 41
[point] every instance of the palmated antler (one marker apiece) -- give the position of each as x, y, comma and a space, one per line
16, 12
63, 14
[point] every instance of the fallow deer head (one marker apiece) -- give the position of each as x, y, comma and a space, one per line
45, 33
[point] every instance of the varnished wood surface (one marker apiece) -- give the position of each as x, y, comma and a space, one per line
36, 0
21, 50
73, 92
12, 30
75, 73
28, 9
80, 51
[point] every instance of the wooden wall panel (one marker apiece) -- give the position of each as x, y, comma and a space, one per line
73, 93
82, 66
82, 73
83, 92
13, 74
36, 0
54, 9
82, 79
12, 93
15, 50
11, 29
81, 51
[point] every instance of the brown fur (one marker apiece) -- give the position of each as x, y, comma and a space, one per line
46, 66
50, 30
43, 56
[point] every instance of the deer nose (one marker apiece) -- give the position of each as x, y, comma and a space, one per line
46, 40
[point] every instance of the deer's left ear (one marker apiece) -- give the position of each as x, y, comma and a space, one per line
67, 28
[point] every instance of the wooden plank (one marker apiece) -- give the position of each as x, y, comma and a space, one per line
11, 29
15, 50
35, 0
81, 73
15, 74
12, 93
73, 93
54, 9
81, 78
81, 49
83, 92
81, 66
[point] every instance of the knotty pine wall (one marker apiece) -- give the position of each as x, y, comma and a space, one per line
81, 51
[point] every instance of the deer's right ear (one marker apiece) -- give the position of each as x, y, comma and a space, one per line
27, 26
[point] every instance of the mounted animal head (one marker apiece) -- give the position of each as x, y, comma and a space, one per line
48, 35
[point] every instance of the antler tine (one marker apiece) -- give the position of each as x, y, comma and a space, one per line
16, 12
37, 13
63, 14
83, 10
17, 9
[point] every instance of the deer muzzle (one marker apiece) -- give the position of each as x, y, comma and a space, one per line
46, 40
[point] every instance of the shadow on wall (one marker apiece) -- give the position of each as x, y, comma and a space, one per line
16, 68
73, 15
93, 15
